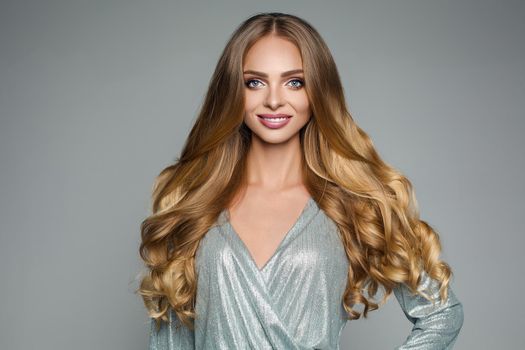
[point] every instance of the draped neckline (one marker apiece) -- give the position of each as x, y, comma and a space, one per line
297, 226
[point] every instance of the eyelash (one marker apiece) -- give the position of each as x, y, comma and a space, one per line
247, 83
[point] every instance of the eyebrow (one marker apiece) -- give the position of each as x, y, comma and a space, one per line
284, 74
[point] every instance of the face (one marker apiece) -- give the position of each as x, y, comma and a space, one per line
274, 85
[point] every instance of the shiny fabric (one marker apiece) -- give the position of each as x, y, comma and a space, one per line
294, 301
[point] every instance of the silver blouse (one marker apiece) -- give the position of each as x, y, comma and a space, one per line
295, 300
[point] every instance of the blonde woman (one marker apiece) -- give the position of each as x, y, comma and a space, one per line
279, 220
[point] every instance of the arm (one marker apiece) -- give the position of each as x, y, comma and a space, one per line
436, 327
171, 336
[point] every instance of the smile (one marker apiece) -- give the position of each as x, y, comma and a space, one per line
274, 121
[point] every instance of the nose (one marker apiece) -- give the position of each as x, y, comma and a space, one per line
274, 97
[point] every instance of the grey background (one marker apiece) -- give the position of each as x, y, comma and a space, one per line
96, 97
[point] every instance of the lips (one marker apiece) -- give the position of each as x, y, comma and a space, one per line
274, 121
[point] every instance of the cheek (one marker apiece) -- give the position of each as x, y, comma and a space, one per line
302, 104
250, 102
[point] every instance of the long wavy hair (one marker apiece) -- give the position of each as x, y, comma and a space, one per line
372, 204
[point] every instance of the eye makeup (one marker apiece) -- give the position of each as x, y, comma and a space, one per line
301, 82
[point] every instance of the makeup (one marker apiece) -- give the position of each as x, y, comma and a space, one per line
274, 121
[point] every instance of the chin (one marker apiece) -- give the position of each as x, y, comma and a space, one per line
274, 139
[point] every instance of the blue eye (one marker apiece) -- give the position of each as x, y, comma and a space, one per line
300, 82
248, 82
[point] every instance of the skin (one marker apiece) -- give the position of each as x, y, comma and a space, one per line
275, 187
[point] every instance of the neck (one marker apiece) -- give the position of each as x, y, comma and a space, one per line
274, 167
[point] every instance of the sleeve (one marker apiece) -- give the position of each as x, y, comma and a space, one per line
437, 326
171, 336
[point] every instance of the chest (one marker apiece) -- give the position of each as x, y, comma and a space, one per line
312, 246
263, 228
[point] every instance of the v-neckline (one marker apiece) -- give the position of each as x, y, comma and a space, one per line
285, 238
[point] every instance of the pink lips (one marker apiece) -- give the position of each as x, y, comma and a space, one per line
274, 121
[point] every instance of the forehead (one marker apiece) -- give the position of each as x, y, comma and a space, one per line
273, 54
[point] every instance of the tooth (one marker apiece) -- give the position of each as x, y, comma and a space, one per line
275, 119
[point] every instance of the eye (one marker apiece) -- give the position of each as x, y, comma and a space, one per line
249, 84
297, 86
296, 83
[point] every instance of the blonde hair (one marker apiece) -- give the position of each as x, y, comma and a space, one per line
373, 204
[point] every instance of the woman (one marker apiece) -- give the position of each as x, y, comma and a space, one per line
280, 219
